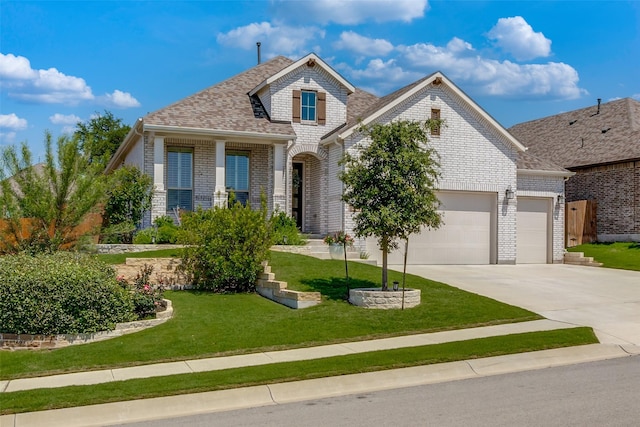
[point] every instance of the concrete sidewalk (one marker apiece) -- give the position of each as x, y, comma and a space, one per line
274, 394
256, 359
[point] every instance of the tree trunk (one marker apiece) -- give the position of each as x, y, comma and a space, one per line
385, 252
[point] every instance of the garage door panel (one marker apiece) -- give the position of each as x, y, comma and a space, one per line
465, 237
533, 231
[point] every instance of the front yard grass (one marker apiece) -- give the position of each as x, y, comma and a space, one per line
42, 399
622, 255
208, 325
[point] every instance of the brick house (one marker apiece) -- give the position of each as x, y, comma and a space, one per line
601, 144
281, 127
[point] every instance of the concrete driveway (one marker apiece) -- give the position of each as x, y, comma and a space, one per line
608, 300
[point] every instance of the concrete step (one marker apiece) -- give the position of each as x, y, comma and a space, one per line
578, 258
572, 255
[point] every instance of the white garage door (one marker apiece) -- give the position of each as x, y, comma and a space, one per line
533, 230
468, 235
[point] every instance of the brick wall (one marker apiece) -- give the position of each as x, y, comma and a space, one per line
314, 78
314, 193
617, 190
335, 214
204, 166
473, 156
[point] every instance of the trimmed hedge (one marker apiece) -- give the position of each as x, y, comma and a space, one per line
60, 293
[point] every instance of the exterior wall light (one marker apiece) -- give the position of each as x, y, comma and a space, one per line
509, 194
560, 199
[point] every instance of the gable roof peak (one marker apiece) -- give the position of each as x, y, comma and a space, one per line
309, 60
388, 102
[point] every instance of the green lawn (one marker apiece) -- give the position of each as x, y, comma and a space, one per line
42, 399
206, 325
612, 255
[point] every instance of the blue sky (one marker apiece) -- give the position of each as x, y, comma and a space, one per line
63, 61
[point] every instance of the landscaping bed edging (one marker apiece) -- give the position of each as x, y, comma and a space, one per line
35, 342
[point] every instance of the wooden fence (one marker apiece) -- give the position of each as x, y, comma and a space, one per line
580, 222
90, 226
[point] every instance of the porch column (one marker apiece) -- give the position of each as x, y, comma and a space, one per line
159, 201
220, 191
279, 190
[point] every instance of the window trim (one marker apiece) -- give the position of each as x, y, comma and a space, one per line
228, 188
169, 188
303, 106
435, 115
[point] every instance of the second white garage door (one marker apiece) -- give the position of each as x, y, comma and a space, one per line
468, 235
533, 230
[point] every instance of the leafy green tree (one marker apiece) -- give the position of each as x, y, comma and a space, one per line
129, 195
101, 136
44, 204
390, 183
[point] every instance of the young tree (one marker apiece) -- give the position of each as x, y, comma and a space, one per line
129, 195
390, 183
101, 136
43, 204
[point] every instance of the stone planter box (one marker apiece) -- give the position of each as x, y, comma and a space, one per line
376, 298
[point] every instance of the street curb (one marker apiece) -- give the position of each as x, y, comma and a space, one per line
226, 400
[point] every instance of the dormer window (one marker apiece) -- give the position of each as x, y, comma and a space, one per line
308, 106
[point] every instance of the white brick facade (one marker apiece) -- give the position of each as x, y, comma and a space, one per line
472, 156
476, 155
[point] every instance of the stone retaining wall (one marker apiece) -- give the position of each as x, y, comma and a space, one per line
124, 248
376, 298
35, 342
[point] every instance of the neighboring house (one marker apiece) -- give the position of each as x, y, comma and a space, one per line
280, 128
601, 144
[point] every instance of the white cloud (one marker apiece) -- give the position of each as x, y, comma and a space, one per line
349, 12
15, 68
462, 64
61, 119
8, 137
636, 96
12, 121
40, 86
68, 130
386, 74
366, 46
275, 39
119, 99
516, 37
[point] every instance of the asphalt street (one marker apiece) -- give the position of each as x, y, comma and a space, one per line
604, 393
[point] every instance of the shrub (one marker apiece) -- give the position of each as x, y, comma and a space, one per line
60, 293
227, 246
285, 230
144, 237
146, 298
164, 231
129, 195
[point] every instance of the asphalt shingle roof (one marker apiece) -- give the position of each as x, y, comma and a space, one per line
226, 106
585, 137
528, 161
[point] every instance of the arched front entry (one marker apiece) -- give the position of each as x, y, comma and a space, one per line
307, 192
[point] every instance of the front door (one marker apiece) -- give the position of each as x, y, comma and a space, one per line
296, 194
